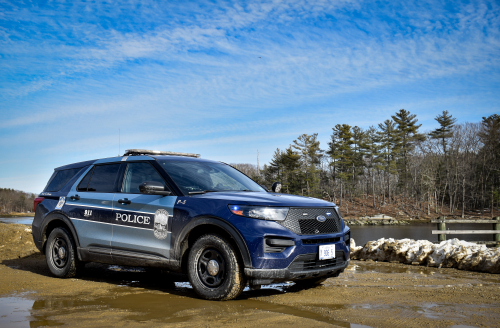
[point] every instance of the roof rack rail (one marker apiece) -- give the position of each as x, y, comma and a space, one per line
138, 152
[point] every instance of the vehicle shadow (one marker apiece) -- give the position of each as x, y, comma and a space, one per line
147, 278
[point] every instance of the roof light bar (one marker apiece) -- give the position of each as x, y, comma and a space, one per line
138, 152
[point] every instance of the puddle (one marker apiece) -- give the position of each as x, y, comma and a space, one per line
142, 306
385, 267
140, 296
15, 312
135, 299
21, 220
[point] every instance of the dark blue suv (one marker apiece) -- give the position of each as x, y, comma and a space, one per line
185, 214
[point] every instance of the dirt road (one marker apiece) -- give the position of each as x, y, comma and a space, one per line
367, 294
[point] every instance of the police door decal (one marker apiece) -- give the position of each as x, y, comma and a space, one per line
61, 202
161, 223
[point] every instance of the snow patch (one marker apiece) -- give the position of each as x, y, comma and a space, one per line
451, 253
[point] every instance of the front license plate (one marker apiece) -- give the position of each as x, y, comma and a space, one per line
326, 252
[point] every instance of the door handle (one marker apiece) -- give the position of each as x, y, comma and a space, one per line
75, 197
124, 201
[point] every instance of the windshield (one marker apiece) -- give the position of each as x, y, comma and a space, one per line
193, 177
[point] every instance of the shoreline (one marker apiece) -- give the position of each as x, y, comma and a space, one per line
381, 221
361, 221
16, 215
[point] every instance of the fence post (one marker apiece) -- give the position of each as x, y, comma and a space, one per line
441, 226
496, 226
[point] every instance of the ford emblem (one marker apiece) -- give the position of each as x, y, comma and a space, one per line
321, 218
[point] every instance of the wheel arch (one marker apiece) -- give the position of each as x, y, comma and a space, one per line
202, 226
56, 220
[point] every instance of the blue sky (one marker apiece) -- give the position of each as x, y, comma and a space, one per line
225, 79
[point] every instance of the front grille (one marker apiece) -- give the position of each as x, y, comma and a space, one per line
306, 262
303, 221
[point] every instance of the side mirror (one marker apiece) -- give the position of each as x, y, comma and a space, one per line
276, 187
153, 188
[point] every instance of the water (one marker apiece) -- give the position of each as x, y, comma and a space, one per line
28, 220
363, 234
15, 312
139, 298
176, 305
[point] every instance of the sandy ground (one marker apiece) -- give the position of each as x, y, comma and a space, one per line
367, 294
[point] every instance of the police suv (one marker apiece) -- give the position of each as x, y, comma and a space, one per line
185, 214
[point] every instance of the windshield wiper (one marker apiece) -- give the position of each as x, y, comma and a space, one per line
205, 191
201, 192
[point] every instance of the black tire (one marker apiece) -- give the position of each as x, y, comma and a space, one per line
60, 253
223, 284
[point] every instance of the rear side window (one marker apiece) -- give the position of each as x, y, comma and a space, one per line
85, 181
61, 179
102, 179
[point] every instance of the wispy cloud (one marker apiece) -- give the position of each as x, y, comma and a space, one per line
182, 73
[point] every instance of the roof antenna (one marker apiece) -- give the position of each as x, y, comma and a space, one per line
118, 142
258, 168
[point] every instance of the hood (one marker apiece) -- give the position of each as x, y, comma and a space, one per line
265, 199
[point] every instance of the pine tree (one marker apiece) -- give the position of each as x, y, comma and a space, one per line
490, 153
389, 141
359, 148
291, 171
444, 132
310, 154
373, 155
409, 136
276, 164
341, 154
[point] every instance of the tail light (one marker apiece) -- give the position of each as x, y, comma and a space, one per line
37, 201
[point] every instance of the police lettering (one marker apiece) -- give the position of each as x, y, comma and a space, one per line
133, 218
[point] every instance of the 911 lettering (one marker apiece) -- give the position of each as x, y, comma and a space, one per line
133, 218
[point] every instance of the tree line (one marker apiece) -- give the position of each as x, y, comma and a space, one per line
15, 201
454, 168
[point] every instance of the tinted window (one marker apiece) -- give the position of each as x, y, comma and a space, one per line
103, 179
85, 181
199, 176
61, 179
138, 173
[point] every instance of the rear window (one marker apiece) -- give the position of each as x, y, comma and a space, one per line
61, 179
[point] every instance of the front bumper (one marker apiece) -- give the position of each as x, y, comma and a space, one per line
304, 266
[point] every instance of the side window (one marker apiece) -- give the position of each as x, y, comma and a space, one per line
82, 186
138, 173
103, 178
61, 178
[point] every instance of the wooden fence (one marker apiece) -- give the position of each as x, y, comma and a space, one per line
442, 232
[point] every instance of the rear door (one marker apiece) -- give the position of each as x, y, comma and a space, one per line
141, 222
91, 207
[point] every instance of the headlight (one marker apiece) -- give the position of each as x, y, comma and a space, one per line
260, 212
338, 211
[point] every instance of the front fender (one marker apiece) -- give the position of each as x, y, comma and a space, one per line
227, 227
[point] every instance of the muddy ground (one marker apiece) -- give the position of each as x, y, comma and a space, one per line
367, 294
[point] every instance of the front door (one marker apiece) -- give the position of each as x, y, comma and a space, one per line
141, 223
